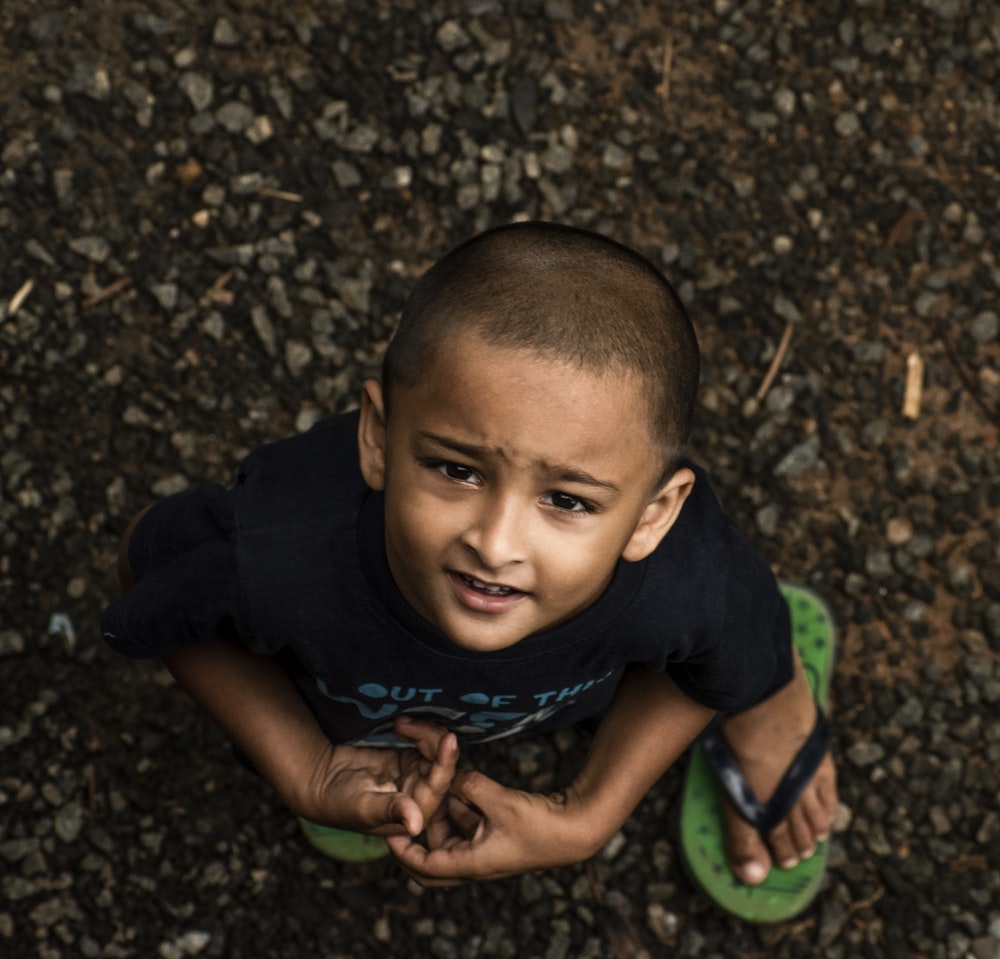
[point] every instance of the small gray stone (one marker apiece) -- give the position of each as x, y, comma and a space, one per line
224, 34
168, 485
847, 124
68, 821
198, 88
260, 130
166, 295
767, 518
614, 156
451, 36
235, 116
557, 159
787, 310
874, 433
909, 714
346, 174
297, 356
878, 563
90, 80
864, 754
264, 329
94, 248
11, 643
868, 351
14, 850
799, 458
985, 327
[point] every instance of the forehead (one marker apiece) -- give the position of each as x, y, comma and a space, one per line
532, 408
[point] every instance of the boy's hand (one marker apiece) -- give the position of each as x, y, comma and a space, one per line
487, 831
386, 791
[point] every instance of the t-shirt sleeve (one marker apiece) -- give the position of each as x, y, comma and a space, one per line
723, 623
746, 653
186, 586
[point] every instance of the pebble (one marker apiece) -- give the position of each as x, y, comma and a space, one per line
68, 821
198, 88
95, 248
224, 34
865, 754
985, 326
451, 36
799, 459
11, 643
234, 116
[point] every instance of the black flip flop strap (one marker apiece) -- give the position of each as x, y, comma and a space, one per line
764, 817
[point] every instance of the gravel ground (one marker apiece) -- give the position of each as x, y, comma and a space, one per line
210, 213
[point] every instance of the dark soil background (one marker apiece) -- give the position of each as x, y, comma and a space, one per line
210, 213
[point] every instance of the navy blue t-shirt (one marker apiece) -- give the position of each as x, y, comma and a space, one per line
291, 561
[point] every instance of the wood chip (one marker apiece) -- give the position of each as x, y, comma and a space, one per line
914, 390
17, 300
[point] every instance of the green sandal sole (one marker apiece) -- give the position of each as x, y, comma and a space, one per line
785, 893
342, 845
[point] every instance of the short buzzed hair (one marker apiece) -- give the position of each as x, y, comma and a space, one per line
565, 294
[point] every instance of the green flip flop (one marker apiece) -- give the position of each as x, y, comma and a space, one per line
342, 845
785, 892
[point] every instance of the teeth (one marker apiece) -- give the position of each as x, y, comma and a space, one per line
487, 587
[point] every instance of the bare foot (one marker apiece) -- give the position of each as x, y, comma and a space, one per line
765, 739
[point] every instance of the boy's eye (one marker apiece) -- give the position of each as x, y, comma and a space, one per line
569, 504
456, 471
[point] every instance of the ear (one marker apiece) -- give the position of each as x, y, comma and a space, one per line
371, 435
660, 514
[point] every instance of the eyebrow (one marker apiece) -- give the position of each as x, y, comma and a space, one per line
568, 474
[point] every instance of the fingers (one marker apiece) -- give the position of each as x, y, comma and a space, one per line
464, 818
440, 867
385, 814
427, 737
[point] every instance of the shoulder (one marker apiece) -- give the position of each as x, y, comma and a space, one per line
706, 558
298, 475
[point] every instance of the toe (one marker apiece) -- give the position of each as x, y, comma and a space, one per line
788, 842
747, 855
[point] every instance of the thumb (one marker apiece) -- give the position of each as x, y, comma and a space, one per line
476, 789
390, 811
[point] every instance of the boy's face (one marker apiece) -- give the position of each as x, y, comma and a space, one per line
513, 484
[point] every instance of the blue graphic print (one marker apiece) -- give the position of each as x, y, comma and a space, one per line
474, 715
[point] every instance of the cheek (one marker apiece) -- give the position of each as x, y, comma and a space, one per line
582, 566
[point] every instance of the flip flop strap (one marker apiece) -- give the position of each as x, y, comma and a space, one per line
765, 816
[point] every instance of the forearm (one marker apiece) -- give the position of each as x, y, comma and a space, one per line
258, 706
649, 724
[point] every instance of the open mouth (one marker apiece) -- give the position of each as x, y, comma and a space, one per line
488, 589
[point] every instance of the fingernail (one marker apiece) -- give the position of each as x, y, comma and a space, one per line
789, 863
753, 872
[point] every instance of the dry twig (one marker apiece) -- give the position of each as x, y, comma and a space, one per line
772, 370
217, 292
107, 292
17, 300
666, 68
274, 194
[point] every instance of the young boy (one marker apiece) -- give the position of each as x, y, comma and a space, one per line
504, 539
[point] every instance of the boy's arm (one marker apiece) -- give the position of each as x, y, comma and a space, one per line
258, 706
649, 724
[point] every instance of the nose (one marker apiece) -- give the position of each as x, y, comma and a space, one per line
495, 534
